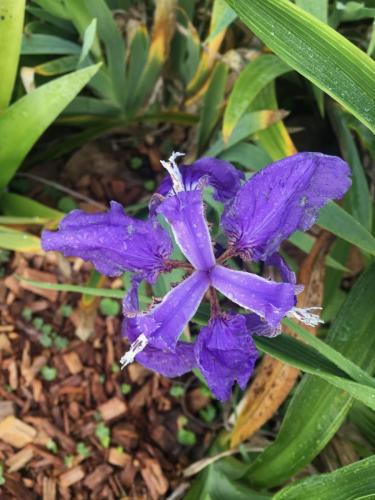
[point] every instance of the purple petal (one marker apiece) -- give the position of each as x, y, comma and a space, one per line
221, 175
280, 199
268, 299
168, 363
163, 324
225, 352
286, 273
112, 241
185, 214
257, 326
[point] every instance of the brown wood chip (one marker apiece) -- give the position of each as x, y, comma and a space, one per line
71, 477
154, 478
118, 458
49, 488
15, 432
6, 409
20, 459
5, 344
33, 274
99, 475
73, 362
112, 409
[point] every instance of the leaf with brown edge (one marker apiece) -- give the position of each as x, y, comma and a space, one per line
274, 380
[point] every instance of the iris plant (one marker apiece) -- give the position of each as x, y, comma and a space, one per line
258, 215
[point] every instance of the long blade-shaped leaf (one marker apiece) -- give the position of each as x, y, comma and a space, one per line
11, 24
315, 50
255, 77
353, 481
335, 219
22, 123
360, 194
318, 409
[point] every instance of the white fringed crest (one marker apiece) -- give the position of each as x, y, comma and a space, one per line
136, 347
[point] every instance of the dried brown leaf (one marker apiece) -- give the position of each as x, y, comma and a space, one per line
274, 380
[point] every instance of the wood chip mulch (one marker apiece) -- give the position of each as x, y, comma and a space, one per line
68, 429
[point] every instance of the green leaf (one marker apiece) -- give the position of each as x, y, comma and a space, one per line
359, 193
336, 220
22, 124
20, 206
318, 8
11, 239
247, 155
57, 66
114, 46
89, 38
255, 77
316, 51
98, 292
47, 44
318, 409
364, 419
345, 364
305, 242
216, 482
275, 139
11, 23
224, 16
212, 104
249, 124
356, 480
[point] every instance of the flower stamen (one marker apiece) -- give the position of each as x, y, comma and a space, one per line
306, 316
137, 346
174, 172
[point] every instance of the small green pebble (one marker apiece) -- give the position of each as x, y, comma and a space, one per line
83, 450
38, 323
102, 379
46, 329
177, 391
186, 438
27, 313
149, 185
49, 373
52, 446
205, 391
126, 389
66, 310
181, 421
60, 342
115, 368
208, 414
2, 478
68, 460
103, 433
109, 307
136, 163
66, 204
45, 340
8, 388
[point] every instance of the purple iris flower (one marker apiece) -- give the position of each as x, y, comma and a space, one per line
258, 215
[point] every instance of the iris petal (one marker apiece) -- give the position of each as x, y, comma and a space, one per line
112, 241
221, 175
225, 352
280, 199
268, 299
185, 213
163, 324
